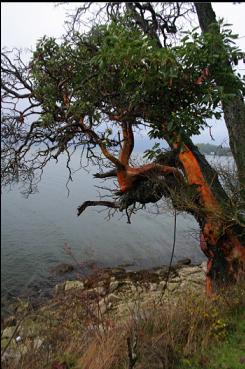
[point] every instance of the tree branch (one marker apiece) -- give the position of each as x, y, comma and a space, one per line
111, 173
164, 169
109, 204
102, 146
14, 93
128, 144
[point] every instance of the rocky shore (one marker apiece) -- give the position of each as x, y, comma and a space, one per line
111, 292
117, 290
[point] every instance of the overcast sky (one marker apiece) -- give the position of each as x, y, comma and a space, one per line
23, 23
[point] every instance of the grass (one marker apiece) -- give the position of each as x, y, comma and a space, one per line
190, 331
227, 355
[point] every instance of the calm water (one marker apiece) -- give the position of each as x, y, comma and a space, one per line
35, 230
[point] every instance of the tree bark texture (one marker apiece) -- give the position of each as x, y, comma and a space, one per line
234, 109
223, 242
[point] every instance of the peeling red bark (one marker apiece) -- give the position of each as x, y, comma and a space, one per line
128, 176
220, 245
225, 252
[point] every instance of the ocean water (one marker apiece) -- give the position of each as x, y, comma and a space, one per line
35, 230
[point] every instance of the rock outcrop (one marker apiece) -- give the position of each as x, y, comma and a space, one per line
112, 291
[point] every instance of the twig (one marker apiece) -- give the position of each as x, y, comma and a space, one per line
132, 356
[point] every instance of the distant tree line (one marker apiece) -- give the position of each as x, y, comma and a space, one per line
209, 149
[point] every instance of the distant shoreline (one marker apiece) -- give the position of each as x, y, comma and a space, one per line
215, 150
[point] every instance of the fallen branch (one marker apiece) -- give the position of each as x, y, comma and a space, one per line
109, 204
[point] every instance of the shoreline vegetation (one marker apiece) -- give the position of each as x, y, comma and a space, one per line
216, 150
120, 319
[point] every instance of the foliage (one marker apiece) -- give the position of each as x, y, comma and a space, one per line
115, 67
111, 70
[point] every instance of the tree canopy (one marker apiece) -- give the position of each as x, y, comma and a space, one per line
113, 70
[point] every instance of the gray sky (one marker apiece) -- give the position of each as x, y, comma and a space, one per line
23, 23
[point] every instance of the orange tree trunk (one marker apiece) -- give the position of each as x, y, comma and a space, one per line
223, 241
223, 238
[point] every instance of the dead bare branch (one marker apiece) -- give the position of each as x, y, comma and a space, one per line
108, 204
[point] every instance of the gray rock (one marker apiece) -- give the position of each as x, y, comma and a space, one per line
69, 285
162, 271
197, 278
101, 283
185, 272
172, 286
162, 284
185, 261
113, 286
104, 306
112, 298
153, 286
133, 288
175, 280
62, 268
204, 266
99, 290
116, 271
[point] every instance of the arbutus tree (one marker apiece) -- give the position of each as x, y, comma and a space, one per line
234, 107
94, 90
